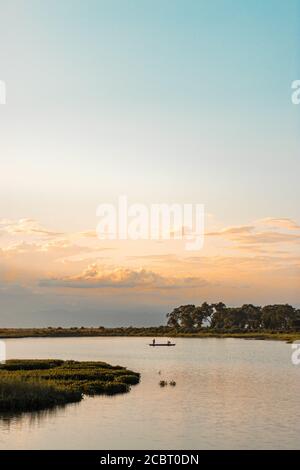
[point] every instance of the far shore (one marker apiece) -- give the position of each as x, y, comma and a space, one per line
59, 332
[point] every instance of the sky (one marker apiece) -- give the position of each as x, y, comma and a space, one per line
165, 102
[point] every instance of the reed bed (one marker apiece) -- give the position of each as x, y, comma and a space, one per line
27, 385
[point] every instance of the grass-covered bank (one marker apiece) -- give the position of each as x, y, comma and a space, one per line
273, 322
267, 335
27, 385
162, 331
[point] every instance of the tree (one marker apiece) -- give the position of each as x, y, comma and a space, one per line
182, 316
235, 318
218, 316
247, 317
203, 315
296, 320
277, 317
187, 316
252, 315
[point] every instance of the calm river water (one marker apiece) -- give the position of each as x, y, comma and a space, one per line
230, 393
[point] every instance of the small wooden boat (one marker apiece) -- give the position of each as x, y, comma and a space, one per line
162, 344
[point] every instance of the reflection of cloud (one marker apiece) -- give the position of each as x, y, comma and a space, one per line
94, 277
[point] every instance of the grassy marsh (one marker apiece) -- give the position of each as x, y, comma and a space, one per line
160, 331
27, 385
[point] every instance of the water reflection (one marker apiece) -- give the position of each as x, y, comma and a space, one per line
9, 419
233, 394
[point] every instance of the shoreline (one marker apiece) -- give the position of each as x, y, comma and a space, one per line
87, 332
38, 384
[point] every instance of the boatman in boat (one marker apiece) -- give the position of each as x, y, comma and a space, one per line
153, 342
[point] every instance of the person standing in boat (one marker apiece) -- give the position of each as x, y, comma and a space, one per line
153, 341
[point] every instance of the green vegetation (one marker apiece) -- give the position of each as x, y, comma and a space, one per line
276, 322
17, 395
160, 331
83, 331
281, 318
279, 322
27, 385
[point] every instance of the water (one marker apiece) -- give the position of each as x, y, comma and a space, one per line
230, 394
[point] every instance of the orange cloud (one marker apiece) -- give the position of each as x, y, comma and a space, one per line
281, 222
95, 277
25, 226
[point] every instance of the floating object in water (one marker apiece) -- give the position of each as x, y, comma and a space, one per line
162, 344
163, 383
172, 383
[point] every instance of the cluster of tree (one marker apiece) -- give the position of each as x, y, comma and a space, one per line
249, 317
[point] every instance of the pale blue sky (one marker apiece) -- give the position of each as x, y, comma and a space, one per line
161, 100
181, 100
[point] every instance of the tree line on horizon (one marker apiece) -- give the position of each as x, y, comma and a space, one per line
248, 317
